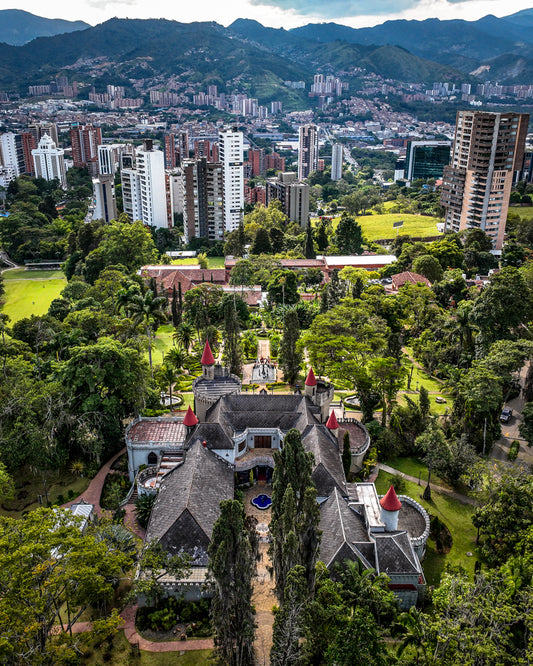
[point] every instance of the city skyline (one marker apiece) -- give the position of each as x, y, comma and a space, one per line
278, 13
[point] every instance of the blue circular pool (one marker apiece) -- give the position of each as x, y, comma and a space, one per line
262, 502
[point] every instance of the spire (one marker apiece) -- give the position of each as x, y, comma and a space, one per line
390, 502
190, 418
207, 356
311, 380
332, 423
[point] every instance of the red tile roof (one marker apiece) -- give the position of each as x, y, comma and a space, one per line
207, 356
390, 502
311, 379
407, 277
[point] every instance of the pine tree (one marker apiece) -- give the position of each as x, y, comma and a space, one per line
309, 245
290, 358
233, 553
261, 244
241, 240
423, 402
180, 305
232, 340
322, 237
346, 454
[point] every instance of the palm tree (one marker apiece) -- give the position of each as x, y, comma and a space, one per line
169, 375
175, 357
183, 335
148, 311
411, 626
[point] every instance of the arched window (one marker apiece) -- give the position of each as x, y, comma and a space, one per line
152, 458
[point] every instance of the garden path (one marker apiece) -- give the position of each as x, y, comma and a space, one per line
263, 596
464, 499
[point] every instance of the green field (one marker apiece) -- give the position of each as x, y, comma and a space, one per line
525, 212
23, 274
376, 227
456, 516
162, 343
30, 295
212, 262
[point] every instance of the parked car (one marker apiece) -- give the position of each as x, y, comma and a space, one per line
440, 399
506, 414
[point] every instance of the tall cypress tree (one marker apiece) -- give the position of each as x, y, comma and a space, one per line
232, 340
309, 245
292, 478
289, 357
346, 454
290, 621
174, 308
180, 305
233, 553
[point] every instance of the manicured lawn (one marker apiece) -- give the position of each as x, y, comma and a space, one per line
23, 274
162, 343
456, 516
25, 297
187, 261
118, 652
215, 262
412, 466
212, 262
523, 211
376, 227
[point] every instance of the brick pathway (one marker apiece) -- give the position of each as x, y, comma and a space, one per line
94, 490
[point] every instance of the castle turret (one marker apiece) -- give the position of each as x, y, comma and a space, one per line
208, 362
332, 424
310, 384
190, 420
390, 510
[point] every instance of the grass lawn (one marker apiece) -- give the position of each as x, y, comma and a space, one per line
456, 516
412, 466
212, 262
23, 274
523, 211
215, 262
28, 296
376, 227
118, 652
162, 343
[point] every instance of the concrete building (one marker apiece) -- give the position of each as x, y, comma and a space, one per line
49, 161
174, 193
12, 152
104, 198
143, 187
230, 148
336, 161
109, 157
488, 149
426, 159
38, 130
293, 195
307, 150
203, 210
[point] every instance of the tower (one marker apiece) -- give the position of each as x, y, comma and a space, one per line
208, 362
310, 384
488, 149
203, 185
336, 161
332, 424
12, 151
85, 140
143, 187
49, 161
230, 148
307, 150
390, 510
104, 196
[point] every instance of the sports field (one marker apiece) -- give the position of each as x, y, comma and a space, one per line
376, 227
29, 292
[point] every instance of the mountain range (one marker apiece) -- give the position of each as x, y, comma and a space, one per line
261, 58
18, 27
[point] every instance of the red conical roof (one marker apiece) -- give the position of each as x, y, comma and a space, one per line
190, 418
311, 379
390, 502
332, 423
207, 356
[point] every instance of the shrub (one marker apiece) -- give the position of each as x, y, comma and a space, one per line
399, 483
513, 450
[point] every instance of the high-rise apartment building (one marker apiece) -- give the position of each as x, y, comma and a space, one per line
203, 210
426, 159
488, 148
85, 140
307, 150
12, 152
170, 151
28, 144
292, 194
109, 157
256, 157
230, 149
143, 187
336, 161
49, 161
174, 184
38, 130
104, 198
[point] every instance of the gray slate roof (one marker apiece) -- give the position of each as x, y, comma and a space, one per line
328, 472
187, 505
340, 526
395, 554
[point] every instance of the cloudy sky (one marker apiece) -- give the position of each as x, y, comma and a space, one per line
275, 13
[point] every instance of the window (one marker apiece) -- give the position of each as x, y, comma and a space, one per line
152, 458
